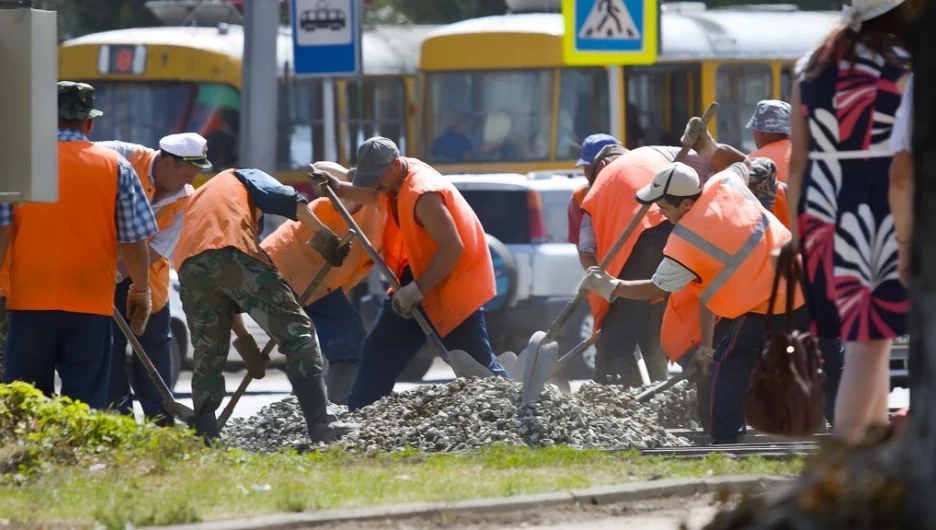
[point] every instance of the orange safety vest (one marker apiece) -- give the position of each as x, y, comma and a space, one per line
781, 208
681, 330
299, 263
64, 254
611, 204
779, 152
5, 275
471, 283
141, 158
218, 215
726, 239
579, 194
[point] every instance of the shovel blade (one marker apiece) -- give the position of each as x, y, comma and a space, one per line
179, 411
465, 365
536, 374
508, 360
519, 367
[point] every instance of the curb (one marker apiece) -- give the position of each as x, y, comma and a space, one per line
594, 496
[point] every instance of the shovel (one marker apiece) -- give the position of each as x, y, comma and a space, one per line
173, 407
268, 349
645, 396
536, 379
462, 364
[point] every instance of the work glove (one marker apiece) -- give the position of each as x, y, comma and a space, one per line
698, 138
405, 299
139, 307
326, 243
599, 281
320, 180
254, 359
698, 362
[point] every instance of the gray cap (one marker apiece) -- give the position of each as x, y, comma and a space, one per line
374, 157
771, 116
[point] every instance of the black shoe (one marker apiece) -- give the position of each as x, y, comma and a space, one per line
312, 396
206, 426
339, 378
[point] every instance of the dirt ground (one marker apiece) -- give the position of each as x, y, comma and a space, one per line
656, 514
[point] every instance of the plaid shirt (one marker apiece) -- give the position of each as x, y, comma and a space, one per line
134, 217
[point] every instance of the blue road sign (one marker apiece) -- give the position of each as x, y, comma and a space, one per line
326, 37
610, 31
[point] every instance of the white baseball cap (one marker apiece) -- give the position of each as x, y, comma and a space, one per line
190, 147
334, 169
676, 180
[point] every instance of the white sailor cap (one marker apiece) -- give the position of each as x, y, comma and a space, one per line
190, 147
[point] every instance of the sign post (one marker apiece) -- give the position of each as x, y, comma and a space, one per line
603, 32
327, 44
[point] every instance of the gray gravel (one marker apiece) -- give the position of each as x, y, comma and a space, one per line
468, 414
676, 408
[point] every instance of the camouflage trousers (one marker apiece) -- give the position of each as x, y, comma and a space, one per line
213, 285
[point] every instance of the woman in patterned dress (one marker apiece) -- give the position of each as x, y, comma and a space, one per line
844, 103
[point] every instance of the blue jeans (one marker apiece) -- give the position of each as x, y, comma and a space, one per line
156, 341
394, 341
76, 345
339, 327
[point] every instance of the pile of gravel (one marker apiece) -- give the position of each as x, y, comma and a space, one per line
468, 414
676, 407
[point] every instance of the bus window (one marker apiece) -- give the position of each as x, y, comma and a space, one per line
144, 112
301, 128
738, 88
497, 116
375, 108
786, 83
583, 108
660, 102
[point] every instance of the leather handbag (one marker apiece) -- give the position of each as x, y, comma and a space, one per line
784, 395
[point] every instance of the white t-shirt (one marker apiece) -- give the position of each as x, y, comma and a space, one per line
903, 121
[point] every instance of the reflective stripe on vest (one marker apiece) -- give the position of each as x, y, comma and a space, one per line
730, 261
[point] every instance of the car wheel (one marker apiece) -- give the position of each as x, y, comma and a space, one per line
505, 275
579, 330
419, 366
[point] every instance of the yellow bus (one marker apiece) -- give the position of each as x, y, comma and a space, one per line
497, 94
158, 80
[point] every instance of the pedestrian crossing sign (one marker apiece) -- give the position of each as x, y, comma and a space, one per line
600, 32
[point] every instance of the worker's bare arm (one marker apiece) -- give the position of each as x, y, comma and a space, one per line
638, 290
136, 257
435, 217
344, 190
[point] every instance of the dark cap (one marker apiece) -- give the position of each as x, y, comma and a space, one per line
592, 145
76, 101
374, 158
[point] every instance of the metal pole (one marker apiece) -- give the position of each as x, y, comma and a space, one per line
258, 98
328, 104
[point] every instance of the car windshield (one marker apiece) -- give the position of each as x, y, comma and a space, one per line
144, 112
490, 116
503, 213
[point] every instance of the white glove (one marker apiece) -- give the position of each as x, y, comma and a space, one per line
405, 299
600, 282
698, 138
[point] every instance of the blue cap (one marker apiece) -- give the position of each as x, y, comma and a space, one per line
592, 145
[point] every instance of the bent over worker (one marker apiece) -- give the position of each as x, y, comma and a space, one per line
720, 248
166, 176
435, 244
609, 207
592, 145
339, 326
64, 259
222, 270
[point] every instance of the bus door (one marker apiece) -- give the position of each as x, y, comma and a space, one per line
659, 100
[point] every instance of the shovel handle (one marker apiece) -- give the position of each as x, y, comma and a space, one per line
242, 388
154, 376
669, 383
391, 278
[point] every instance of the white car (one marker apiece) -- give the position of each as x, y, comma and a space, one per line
537, 270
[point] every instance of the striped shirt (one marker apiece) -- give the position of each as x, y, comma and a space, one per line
134, 217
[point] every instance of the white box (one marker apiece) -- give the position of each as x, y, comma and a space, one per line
28, 106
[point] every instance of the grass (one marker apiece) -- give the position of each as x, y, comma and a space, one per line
61, 463
225, 484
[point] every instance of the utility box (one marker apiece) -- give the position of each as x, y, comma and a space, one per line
28, 105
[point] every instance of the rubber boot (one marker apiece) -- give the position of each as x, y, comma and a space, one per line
206, 426
312, 395
339, 377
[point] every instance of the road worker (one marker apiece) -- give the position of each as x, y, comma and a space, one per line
63, 261
609, 207
166, 176
338, 324
435, 244
222, 270
592, 145
720, 249
770, 126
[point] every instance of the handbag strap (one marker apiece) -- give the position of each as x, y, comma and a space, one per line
788, 269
